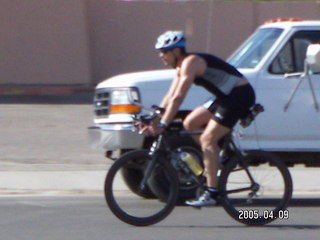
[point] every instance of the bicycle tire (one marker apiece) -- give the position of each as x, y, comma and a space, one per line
131, 208
269, 201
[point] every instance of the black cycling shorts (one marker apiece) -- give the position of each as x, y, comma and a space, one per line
228, 110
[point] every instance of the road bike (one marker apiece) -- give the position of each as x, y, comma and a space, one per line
255, 186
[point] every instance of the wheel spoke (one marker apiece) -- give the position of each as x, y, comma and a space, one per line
270, 193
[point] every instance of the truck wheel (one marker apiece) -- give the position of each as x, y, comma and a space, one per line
132, 175
187, 186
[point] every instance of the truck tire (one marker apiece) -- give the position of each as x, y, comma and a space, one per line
133, 175
187, 186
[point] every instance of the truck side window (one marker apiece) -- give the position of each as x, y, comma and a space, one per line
291, 57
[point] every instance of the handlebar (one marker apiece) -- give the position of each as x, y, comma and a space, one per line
152, 114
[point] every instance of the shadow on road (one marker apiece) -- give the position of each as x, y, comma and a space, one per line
279, 226
305, 202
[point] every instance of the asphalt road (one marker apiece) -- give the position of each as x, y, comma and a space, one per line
49, 129
83, 218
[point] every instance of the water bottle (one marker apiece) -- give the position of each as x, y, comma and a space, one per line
192, 163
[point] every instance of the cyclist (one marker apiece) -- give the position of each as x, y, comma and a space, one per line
232, 97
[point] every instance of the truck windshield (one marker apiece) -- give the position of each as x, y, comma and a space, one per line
254, 49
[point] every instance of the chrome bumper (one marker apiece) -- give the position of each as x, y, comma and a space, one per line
113, 137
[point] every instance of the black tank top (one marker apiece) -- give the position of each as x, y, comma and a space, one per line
220, 77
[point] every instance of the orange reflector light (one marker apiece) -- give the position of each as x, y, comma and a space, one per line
124, 108
283, 20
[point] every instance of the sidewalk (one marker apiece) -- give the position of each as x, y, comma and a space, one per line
306, 182
51, 179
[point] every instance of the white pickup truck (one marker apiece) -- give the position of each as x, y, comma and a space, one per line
284, 71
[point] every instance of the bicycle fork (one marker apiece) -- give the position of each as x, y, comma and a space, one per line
152, 163
147, 173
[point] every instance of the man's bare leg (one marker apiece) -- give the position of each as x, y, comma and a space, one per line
197, 120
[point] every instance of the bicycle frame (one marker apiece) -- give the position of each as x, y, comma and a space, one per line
229, 143
162, 174
160, 148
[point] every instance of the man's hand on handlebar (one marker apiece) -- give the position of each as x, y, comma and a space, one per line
153, 129
149, 124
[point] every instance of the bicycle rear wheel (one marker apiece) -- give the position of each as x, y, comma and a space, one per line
260, 203
127, 203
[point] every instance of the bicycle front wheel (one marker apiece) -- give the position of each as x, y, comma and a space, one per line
261, 201
128, 204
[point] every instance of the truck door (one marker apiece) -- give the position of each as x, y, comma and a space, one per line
292, 119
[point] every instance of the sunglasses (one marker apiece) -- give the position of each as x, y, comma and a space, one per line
163, 51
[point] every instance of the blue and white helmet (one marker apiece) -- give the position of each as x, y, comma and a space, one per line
170, 40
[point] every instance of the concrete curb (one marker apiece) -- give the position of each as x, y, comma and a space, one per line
51, 179
52, 182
